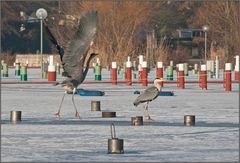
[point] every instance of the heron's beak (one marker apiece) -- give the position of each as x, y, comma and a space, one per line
162, 80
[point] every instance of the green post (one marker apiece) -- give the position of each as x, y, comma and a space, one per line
185, 65
124, 71
212, 68
2, 62
134, 67
45, 71
195, 69
170, 73
24, 73
5, 69
118, 69
45, 75
17, 69
134, 76
98, 75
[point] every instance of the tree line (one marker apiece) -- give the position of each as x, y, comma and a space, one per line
123, 26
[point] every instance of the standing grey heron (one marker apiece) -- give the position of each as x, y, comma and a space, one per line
148, 95
74, 58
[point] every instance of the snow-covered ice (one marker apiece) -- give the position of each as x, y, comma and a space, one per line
40, 137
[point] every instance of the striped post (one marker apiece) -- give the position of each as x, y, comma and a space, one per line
140, 73
134, 66
98, 75
160, 71
177, 73
203, 75
208, 69
217, 68
23, 73
124, 71
140, 59
170, 73
51, 70
118, 70
228, 80
2, 62
129, 72
212, 68
114, 73
195, 71
5, 69
144, 74
45, 71
17, 69
236, 69
181, 76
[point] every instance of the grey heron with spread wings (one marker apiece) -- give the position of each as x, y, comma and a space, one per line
73, 58
149, 94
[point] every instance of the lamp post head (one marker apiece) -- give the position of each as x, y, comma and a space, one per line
205, 28
22, 14
41, 13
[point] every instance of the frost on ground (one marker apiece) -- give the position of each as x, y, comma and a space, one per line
40, 137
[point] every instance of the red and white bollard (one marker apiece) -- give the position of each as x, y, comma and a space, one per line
177, 72
128, 72
144, 74
228, 79
203, 77
114, 73
140, 73
181, 76
51, 70
159, 73
236, 69
140, 59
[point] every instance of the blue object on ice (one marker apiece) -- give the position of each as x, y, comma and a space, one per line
166, 93
83, 92
136, 92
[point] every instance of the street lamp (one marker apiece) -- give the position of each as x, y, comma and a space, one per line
41, 14
205, 29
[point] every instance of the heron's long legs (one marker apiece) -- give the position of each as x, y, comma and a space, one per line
146, 109
58, 113
77, 115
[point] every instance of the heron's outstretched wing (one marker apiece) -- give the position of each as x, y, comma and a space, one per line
54, 41
148, 95
77, 49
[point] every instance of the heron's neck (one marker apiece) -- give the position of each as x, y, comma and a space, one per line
156, 84
159, 87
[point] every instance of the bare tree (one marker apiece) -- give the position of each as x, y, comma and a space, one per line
223, 20
119, 24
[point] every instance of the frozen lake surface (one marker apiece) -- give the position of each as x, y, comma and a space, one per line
42, 138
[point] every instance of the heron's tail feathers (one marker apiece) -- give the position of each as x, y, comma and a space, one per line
136, 103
